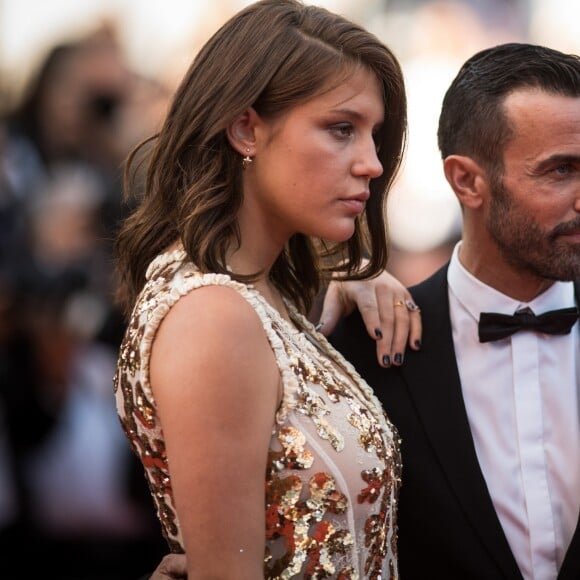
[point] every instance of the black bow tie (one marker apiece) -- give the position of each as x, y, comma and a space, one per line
494, 326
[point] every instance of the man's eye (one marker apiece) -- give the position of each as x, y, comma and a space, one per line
563, 168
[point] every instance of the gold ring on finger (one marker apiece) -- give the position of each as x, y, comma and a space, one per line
399, 303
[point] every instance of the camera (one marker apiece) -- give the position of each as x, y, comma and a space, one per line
103, 107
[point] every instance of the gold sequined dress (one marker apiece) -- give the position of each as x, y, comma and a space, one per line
334, 464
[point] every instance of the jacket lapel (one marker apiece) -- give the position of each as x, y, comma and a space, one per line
571, 566
433, 381
570, 569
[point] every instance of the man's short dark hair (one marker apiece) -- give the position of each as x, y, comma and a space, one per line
473, 120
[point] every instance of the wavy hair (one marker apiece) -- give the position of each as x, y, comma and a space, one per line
272, 55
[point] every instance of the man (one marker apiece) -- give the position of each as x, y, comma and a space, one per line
491, 430
489, 420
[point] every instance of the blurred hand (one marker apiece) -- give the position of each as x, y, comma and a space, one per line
173, 566
387, 309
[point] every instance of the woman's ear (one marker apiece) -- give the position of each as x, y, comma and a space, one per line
241, 132
467, 178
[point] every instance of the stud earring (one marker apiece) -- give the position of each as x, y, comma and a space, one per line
247, 160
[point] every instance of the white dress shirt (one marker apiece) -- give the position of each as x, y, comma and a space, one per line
522, 396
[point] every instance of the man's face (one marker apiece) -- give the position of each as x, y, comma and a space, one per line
534, 211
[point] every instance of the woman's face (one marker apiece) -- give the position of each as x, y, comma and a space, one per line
313, 164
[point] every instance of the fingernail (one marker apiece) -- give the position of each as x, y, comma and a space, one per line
378, 333
319, 326
398, 358
386, 360
418, 343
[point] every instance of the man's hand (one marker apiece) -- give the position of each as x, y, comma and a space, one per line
390, 315
172, 567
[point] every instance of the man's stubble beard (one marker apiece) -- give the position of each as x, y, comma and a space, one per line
525, 245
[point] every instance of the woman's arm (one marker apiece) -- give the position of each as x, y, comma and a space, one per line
384, 304
216, 384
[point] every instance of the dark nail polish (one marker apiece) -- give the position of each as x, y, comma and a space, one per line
398, 358
386, 360
418, 343
378, 333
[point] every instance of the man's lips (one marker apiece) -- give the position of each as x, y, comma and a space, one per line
573, 236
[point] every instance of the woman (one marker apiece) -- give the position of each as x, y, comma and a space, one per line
268, 177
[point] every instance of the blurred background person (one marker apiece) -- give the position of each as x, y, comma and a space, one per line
73, 493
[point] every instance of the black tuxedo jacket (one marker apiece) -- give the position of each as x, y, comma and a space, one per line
448, 528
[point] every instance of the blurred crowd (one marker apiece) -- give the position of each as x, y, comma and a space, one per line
71, 494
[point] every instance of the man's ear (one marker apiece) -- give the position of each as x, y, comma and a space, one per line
467, 178
241, 132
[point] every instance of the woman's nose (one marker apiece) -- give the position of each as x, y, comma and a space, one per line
368, 163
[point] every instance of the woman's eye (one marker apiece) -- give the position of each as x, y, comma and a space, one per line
343, 131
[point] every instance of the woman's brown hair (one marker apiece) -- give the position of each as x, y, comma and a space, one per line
272, 55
